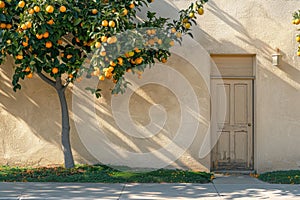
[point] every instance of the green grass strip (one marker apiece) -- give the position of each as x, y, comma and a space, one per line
99, 174
281, 177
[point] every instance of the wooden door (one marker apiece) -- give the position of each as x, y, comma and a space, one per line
234, 148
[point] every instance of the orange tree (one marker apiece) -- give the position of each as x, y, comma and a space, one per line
296, 21
52, 38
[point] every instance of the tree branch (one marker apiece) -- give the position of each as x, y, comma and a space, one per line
46, 79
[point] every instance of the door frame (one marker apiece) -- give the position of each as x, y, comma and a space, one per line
251, 77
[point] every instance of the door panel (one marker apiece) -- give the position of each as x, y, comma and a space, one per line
234, 148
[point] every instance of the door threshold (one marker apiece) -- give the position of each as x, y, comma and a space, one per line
234, 172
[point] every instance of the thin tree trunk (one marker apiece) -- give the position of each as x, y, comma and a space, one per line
65, 134
65, 119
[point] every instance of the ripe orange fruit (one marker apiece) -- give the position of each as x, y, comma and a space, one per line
298, 53
8, 26
172, 43
103, 53
31, 11
46, 34
103, 39
114, 38
163, 60
63, 9
19, 57
104, 23
27, 69
110, 40
21, 4
297, 21
178, 35
59, 42
149, 32
94, 11
187, 25
23, 26
97, 45
112, 24
112, 63
25, 44
151, 42
54, 70
49, 9
36, 9
110, 69
173, 30
30, 75
191, 14
131, 53
159, 41
120, 61
200, 11
132, 61
139, 61
50, 22
124, 12
28, 24
137, 50
185, 20
70, 76
131, 6
69, 56
48, 44
298, 38
39, 36
2, 26
2, 4
108, 75
102, 78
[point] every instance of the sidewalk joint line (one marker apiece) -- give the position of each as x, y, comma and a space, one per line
123, 188
219, 195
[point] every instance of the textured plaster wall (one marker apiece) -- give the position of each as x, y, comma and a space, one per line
30, 119
30, 124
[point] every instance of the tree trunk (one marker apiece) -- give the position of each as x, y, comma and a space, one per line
65, 119
65, 134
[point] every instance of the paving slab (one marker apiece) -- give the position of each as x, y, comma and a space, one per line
236, 179
259, 191
169, 192
11, 190
246, 187
77, 191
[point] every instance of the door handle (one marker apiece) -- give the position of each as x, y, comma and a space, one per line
249, 124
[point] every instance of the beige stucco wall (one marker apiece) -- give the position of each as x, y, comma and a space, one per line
259, 27
30, 119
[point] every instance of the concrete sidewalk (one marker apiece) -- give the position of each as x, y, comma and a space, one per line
223, 187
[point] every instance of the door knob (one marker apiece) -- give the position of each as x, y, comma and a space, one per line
249, 124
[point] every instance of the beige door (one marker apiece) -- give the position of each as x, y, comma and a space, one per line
234, 128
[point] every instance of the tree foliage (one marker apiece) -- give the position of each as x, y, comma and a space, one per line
55, 37
296, 21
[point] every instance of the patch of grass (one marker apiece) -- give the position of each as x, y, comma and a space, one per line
99, 174
281, 177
